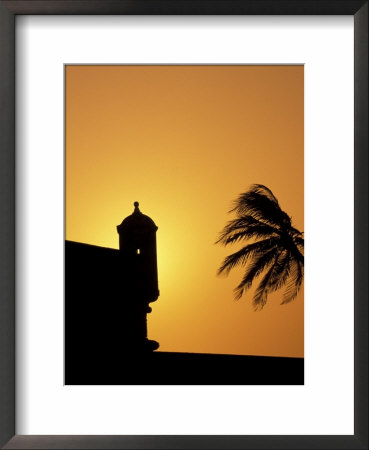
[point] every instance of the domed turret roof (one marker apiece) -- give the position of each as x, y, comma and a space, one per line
137, 222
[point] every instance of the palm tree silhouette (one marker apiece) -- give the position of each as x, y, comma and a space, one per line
276, 247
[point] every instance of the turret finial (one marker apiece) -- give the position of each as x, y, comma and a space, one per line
136, 205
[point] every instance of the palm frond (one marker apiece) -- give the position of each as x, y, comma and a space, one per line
294, 282
279, 254
262, 205
261, 292
240, 257
281, 272
299, 242
296, 232
296, 251
263, 190
255, 231
254, 269
242, 223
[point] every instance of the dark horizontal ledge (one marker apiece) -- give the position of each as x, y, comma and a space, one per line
168, 368
186, 7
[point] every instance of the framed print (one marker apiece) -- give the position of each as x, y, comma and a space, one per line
137, 128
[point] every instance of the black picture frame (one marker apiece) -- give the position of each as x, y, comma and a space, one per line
8, 12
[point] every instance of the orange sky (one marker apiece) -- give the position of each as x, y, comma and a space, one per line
185, 141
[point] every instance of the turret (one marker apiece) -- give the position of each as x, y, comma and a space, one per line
137, 244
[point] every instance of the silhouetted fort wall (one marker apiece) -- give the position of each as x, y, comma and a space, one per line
101, 325
107, 296
101, 315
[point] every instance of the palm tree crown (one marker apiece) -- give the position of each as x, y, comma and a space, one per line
275, 247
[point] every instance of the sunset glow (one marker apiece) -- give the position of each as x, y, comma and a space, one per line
185, 141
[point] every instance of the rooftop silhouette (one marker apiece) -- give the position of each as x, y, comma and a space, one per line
107, 298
